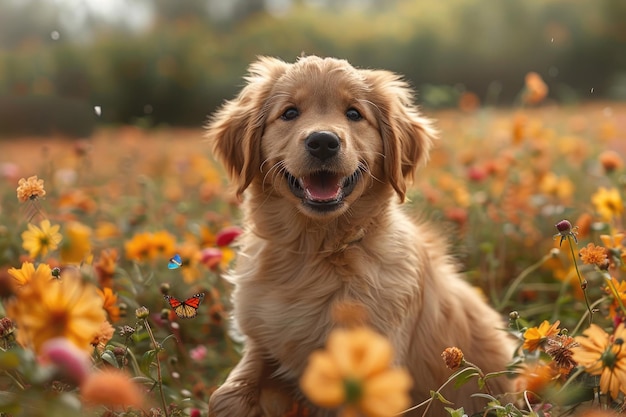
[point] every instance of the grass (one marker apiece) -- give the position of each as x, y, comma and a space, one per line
498, 182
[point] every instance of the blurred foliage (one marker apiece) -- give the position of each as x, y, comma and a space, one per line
185, 64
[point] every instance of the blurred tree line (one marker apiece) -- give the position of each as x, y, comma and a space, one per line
193, 53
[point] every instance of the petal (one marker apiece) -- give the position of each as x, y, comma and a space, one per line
321, 381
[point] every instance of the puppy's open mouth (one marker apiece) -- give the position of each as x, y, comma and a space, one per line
323, 190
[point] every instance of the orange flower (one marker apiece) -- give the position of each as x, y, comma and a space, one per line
139, 247
536, 88
30, 189
355, 371
603, 354
46, 308
611, 161
536, 336
103, 336
453, 357
106, 266
594, 255
109, 300
111, 388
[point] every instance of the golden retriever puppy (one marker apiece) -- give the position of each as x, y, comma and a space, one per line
322, 153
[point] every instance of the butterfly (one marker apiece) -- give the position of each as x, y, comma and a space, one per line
175, 262
187, 309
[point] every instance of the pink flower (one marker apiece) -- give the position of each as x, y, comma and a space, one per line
198, 353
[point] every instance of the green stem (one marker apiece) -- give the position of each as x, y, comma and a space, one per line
580, 279
158, 364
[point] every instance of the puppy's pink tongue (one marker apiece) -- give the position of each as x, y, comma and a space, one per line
322, 187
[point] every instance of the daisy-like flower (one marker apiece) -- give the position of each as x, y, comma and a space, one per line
30, 189
27, 273
48, 308
41, 240
163, 244
608, 203
139, 247
605, 355
354, 372
594, 255
534, 337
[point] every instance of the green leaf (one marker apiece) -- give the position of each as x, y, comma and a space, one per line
109, 357
459, 412
464, 376
146, 361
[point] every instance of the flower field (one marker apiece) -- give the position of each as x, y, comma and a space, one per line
97, 317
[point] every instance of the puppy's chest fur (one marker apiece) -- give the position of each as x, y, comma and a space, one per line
287, 297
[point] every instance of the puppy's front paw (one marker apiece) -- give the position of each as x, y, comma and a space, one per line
235, 399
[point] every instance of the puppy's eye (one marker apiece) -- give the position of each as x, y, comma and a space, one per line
353, 114
290, 114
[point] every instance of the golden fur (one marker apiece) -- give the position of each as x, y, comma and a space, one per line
326, 228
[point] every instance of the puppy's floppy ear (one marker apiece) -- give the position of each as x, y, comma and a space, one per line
407, 135
235, 130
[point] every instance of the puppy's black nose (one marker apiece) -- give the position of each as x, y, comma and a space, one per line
322, 145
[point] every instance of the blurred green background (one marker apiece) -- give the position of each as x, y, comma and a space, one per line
171, 62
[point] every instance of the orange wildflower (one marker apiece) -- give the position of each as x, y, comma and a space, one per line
594, 255
109, 300
30, 189
453, 357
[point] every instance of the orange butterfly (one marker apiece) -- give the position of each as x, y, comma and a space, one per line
187, 309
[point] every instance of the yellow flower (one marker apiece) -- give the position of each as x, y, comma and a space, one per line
605, 355
28, 273
355, 371
47, 308
613, 241
78, 243
139, 247
608, 203
163, 244
535, 336
30, 189
39, 241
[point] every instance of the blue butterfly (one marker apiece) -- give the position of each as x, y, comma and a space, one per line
175, 262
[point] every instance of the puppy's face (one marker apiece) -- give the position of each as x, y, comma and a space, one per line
320, 133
